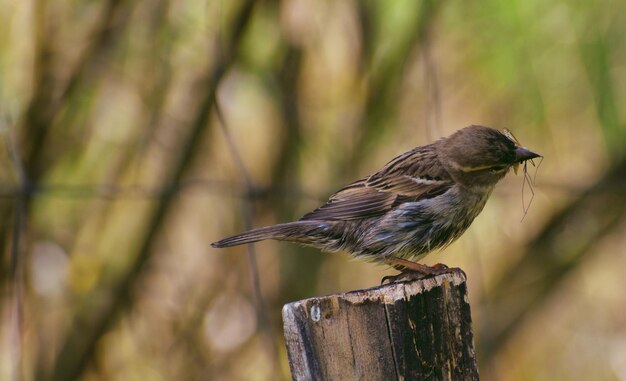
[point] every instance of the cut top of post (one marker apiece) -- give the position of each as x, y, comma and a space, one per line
404, 331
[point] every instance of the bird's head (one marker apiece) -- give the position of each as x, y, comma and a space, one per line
478, 156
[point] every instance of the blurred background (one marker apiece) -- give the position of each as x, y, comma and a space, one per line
134, 134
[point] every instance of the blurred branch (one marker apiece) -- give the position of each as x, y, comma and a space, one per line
115, 192
38, 113
79, 347
289, 98
34, 120
247, 211
158, 77
20, 207
526, 67
44, 108
596, 58
295, 283
365, 14
384, 83
432, 110
15, 274
44, 105
567, 239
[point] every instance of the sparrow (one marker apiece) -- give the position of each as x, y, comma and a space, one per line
419, 202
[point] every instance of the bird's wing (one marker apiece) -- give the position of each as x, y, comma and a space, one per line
412, 176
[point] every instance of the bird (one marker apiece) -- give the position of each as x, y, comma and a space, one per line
419, 202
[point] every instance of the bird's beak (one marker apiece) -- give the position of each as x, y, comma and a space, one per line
521, 155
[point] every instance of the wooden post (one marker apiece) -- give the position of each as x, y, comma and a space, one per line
419, 330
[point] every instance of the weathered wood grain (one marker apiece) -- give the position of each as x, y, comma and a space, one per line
419, 330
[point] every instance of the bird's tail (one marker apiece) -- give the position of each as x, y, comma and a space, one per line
304, 232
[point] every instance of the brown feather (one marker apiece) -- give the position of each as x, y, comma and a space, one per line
405, 178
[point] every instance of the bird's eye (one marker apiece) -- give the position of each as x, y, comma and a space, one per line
497, 168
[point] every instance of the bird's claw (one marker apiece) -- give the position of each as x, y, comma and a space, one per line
405, 276
412, 275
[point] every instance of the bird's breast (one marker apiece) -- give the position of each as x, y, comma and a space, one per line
459, 203
414, 229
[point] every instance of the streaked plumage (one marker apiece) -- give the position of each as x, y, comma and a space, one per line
420, 201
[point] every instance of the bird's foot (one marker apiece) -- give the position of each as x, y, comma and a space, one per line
440, 268
404, 276
411, 271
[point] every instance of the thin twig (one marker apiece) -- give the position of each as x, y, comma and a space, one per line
531, 183
16, 275
532, 191
247, 213
432, 112
139, 192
